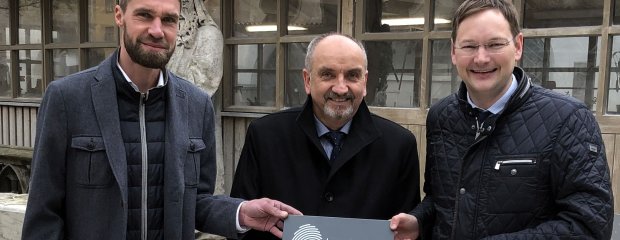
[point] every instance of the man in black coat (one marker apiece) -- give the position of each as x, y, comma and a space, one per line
507, 159
371, 171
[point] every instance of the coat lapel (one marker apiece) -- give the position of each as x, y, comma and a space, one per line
363, 132
177, 139
305, 120
103, 92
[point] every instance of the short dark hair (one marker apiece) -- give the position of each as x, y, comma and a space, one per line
317, 40
471, 7
123, 4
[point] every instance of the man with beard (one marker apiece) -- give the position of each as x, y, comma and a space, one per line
331, 157
125, 150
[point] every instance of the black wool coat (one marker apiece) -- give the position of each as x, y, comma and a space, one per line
375, 176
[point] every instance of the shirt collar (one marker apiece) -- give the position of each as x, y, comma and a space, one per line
321, 129
160, 81
502, 101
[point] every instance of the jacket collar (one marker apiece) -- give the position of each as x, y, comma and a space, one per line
524, 86
103, 91
363, 131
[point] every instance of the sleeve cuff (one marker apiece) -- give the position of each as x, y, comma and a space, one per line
240, 229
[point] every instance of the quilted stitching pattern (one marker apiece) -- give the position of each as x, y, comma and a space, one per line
562, 191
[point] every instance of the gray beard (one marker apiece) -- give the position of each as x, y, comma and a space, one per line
338, 114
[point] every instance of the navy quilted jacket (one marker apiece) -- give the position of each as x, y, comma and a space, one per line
536, 171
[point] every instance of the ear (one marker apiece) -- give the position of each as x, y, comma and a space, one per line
306, 76
365, 82
518, 46
118, 16
452, 55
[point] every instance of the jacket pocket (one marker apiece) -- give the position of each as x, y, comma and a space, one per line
514, 185
192, 165
92, 168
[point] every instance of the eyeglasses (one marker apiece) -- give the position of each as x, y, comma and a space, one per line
493, 47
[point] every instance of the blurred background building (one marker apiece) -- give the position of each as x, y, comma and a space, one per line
571, 46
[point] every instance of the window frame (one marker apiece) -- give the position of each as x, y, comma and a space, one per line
351, 21
47, 48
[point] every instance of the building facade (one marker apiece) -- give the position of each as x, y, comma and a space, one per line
571, 46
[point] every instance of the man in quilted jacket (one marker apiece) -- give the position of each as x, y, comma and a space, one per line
507, 159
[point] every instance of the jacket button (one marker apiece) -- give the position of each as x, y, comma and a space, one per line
513, 172
90, 146
462, 191
192, 147
329, 197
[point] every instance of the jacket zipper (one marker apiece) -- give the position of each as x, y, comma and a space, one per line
145, 167
498, 164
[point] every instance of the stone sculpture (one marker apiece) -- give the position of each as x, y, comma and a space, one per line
198, 54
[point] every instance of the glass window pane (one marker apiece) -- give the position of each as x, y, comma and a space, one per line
101, 27
394, 69
29, 22
613, 101
545, 14
254, 18
295, 93
394, 16
65, 21
5, 74
269, 56
566, 65
66, 61
444, 78
97, 55
312, 16
616, 16
4, 22
533, 53
444, 11
30, 74
254, 75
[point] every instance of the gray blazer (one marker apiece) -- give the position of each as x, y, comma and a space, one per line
79, 172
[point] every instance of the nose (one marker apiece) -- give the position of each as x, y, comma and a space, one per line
155, 29
481, 55
340, 87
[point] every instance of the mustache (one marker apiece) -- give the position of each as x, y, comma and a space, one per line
332, 95
151, 40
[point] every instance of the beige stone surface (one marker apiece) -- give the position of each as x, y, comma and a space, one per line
12, 209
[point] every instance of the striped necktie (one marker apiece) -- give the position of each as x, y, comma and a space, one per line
335, 138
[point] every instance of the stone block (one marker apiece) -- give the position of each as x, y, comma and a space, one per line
12, 209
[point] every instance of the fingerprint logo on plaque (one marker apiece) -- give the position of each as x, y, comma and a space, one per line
307, 232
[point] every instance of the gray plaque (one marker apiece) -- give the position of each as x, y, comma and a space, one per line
332, 228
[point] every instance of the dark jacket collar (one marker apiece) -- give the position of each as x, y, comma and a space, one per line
524, 86
363, 132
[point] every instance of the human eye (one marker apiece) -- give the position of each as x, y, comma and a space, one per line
496, 45
143, 14
353, 75
171, 20
469, 48
326, 74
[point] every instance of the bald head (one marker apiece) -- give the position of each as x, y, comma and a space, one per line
319, 39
